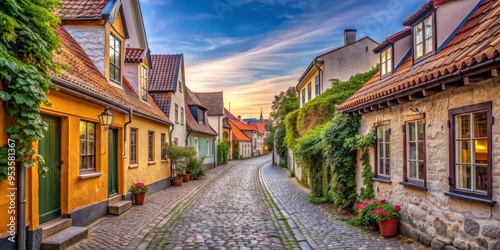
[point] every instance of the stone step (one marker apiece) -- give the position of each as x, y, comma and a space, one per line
120, 207
65, 238
54, 226
114, 199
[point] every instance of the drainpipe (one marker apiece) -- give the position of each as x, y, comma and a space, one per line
320, 75
21, 206
170, 142
214, 147
130, 118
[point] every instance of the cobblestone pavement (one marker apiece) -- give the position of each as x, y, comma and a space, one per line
118, 232
232, 212
319, 227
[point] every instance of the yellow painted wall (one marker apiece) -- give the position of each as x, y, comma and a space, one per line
146, 172
310, 78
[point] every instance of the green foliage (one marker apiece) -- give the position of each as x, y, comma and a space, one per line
223, 149
281, 147
363, 142
385, 211
195, 167
236, 150
364, 217
138, 188
341, 159
284, 103
292, 173
321, 109
318, 200
27, 44
179, 157
291, 133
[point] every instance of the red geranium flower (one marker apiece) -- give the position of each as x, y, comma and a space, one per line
381, 201
380, 212
387, 214
397, 208
372, 212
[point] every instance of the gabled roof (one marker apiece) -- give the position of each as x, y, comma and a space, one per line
225, 123
163, 100
258, 126
84, 9
230, 115
191, 99
163, 76
213, 101
476, 43
243, 126
426, 9
195, 126
238, 135
134, 55
84, 77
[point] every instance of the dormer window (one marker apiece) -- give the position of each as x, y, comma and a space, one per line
201, 116
144, 83
115, 58
423, 38
386, 62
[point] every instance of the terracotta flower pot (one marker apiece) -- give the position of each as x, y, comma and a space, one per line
186, 178
177, 181
139, 198
388, 227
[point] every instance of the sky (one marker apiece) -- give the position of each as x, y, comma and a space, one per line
254, 49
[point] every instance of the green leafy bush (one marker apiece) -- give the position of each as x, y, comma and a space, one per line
179, 157
195, 167
223, 149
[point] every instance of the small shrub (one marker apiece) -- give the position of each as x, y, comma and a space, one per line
318, 200
292, 173
365, 217
195, 167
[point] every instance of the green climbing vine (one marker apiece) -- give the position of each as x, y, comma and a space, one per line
27, 44
363, 142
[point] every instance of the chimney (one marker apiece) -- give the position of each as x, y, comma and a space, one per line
239, 117
349, 36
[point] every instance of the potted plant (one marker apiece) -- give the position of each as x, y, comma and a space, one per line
139, 190
178, 157
387, 216
195, 167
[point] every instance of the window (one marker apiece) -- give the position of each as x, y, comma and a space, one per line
415, 152
386, 62
133, 146
303, 96
423, 38
316, 84
87, 146
471, 154
115, 48
196, 147
176, 113
162, 144
151, 143
182, 116
208, 147
309, 93
180, 86
144, 83
383, 151
201, 116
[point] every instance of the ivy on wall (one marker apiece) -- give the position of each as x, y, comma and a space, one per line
363, 143
27, 44
223, 149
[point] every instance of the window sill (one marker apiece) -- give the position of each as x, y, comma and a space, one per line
412, 185
151, 162
470, 198
164, 161
133, 166
89, 175
383, 180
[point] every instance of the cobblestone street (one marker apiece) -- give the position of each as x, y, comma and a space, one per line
247, 204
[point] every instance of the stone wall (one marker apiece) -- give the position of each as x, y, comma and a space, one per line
430, 216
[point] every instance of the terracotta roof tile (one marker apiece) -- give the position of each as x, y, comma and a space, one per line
476, 42
191, 99
164, 73
243, 126
193, 125
213, 101
133, 55
258, 126
229, 115
88, 9
238, 135
84, 74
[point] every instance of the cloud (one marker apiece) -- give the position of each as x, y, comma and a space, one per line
156, 2
209, 44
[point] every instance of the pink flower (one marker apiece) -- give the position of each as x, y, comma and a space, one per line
365, 203
381, 201
397, 208
372, 212
387, 214
339, 188
357, 207
380, 212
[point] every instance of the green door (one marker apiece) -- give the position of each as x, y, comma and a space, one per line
49, 186
113, 162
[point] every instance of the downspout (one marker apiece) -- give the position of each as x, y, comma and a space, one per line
170, 142
187, 136
215, 156
130, 118
21, 206
320, 75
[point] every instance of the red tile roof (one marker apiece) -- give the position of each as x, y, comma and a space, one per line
213, 101
133, 55
193, 125
84, 75
476, 42
243, 126
237, 134
258, 126
163, 101
88, 9
164, 73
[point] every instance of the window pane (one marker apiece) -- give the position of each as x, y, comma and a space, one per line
83, 147
418, 34
83, 130
420, 50
463, 177
420, 130
381, 166
412, 169
412, 151
383, 68
463, 151
387, 134
463, 126
429, 46
389, 65
411, 131
421, 151
481, 178
481, 151
91, 131
387, 150
90, 148
381, 149
428, 27
480, 124
83, 163
387, 167
421, 171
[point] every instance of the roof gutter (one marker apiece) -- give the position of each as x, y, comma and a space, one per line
459, 73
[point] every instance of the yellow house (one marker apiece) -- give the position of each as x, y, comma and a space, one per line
89, 169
